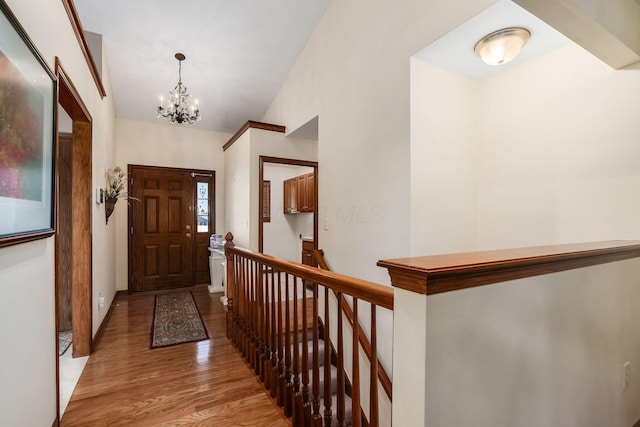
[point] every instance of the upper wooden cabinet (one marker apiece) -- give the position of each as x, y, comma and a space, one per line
299, 194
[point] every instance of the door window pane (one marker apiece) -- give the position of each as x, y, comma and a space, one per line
203, 190
203, 207
203, 223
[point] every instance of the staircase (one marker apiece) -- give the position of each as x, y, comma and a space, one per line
281, 316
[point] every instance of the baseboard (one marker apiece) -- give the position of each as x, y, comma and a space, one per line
100, 331
637, 424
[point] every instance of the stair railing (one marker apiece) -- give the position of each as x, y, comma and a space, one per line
368, 347
279, 318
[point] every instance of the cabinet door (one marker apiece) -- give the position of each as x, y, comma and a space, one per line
287, 196
293, 196
290, 196
311, 192
302, 194
307, 254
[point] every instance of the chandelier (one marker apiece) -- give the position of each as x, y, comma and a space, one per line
178, 109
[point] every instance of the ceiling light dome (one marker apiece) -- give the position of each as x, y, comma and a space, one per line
502, 46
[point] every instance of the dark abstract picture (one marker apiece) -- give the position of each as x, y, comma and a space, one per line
21, 134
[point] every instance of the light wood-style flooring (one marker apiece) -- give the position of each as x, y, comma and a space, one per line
206, 383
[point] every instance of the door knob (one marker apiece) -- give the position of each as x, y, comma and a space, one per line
188, 234
188, 227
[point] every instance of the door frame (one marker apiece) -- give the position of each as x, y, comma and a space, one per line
69, 99
130, 219
292, 162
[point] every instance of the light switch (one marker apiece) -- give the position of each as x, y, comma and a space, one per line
99, 195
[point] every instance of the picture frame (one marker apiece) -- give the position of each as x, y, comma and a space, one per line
28, 90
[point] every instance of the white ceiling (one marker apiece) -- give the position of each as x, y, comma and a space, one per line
454, 51
238, 52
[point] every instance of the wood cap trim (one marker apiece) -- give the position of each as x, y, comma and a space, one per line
444, 273
84, 46
254, 125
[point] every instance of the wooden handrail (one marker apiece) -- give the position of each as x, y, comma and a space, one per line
445, 273
364, 290
384, 378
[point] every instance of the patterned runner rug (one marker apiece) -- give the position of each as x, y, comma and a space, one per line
176, 320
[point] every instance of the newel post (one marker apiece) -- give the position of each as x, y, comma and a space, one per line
231, 281
409, 346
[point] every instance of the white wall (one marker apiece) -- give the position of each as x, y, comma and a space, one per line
27, 313
444, 125
165, 145
544, 352
559, 150
281, 235
237, 169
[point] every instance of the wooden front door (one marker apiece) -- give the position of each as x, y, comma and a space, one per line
167, 227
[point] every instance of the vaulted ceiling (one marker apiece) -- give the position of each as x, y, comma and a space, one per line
238, 53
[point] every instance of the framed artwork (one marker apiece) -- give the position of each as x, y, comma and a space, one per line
27, 135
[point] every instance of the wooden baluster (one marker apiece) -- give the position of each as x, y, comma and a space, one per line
256, 320
275, 337
273, 350
247, 307
305, 406
317, 418
240, 288
266, 328
245, 304
242, 293
249, 317
230, 284
280, 368
252, 306
328, 415
373, 386
341, 390
263, 333
239, 292
356, 413
257, 335
296, 354
288, 410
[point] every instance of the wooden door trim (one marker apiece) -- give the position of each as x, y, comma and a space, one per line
293, 162
130, 219
81, 265
74, 19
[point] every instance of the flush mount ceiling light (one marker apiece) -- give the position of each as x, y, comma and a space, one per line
502, 46
178, 109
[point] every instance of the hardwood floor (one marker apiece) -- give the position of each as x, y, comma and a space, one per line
206, 383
